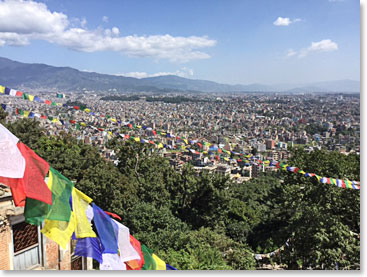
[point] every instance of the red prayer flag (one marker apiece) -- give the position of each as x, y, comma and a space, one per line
32, 185
220, 150
100, 129
76, 108
19, 93
217, 157
135, 264
127, 136
72, 121
154, 132
17, 111
48, 102
200, 145
43, 117
130, 126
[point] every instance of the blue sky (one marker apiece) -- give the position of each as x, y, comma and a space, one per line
233, 41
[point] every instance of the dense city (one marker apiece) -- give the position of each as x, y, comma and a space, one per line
265, 125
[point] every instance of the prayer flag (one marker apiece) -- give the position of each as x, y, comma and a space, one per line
169, 267
13, 92
126, 250
2, 89
105, 230
89, 247
60, 231
61, 188
138, 263
12, 163
80, 204
32, 184
160, 265
111, 262
150, 263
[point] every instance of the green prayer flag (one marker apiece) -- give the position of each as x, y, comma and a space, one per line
37, 211
53, 104
149, 261
61, 191
21, 112
25, 96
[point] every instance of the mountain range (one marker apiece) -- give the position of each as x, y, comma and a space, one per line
44, 77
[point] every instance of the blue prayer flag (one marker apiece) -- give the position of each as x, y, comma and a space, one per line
105, 230
89, 247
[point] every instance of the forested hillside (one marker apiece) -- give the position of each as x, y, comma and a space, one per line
208, 222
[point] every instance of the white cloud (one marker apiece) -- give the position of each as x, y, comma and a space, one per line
23, 21
115, 31
325, 45
281, 21
105, 18
285, 21
183, 72
291, 53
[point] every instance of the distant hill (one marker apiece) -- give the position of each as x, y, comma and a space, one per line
50, 78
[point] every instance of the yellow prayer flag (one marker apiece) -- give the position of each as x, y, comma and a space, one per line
110, 133
87, 110
113, 119
137, 139
267, 162
186, 141
83, 124
205, 152
318, 177
59, 104
163, 134
2, 89
138, 126
31, 97
26, 113
81, 202
55, 120
302, 172
160, 145
60, 231
226, 159
160, 264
